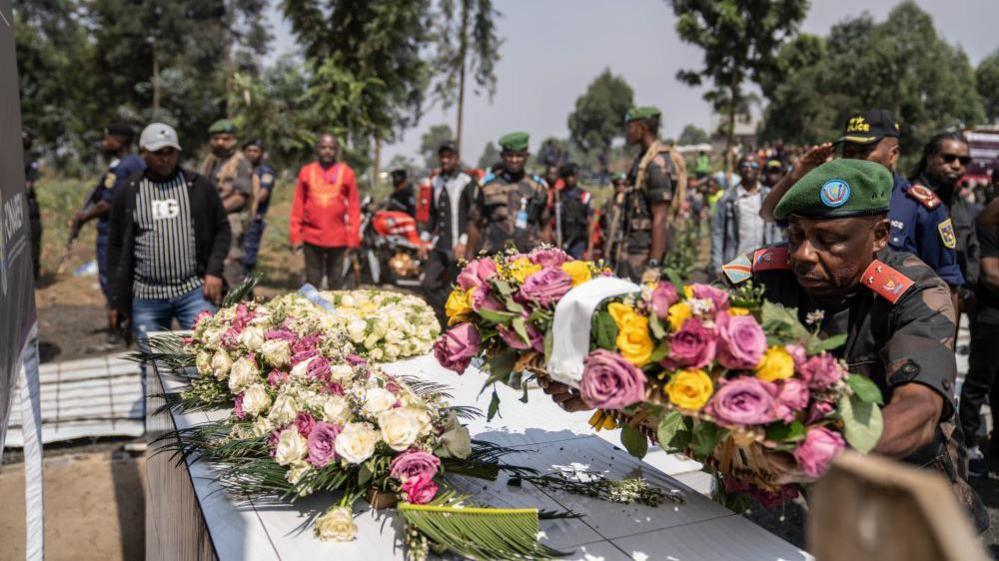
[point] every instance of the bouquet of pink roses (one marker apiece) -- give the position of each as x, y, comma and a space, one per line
734, 382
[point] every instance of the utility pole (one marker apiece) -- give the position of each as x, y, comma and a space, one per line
462, 51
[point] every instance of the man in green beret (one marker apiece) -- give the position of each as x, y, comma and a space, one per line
510, 208
840, 274
238, 187
652, 200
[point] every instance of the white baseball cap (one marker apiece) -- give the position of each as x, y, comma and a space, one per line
158, 136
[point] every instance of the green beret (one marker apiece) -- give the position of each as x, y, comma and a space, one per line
837, 189
514, 142
646, 112
223, 126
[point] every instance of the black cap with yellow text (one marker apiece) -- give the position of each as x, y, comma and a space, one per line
870, 126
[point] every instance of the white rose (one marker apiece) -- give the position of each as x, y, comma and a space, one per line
336, 525
297, 471
291, 447
455, 442
375, 354
356, 442
356, 330
341, 372
377, 400
256, 400
283, 410
243, 373
252, 338
212, 336
262, 426
300, 370
335, 410
203, 362
276, 352
401, 427
221, 364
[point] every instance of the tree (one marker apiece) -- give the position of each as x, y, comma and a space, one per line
693, 135
459, 52
740, 39
490, 155
600, 112
900, 64
431, 141
987, 83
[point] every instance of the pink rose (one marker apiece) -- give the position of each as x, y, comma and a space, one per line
205, 314
304, 423
818, 411
743, 401
320, 443
332, 388
276, 378
414, 464
482, 299
693, 346
319, 369
514, 341
610, 382
821, 371
356, 360
239, 406
283, 334
792, 397
663, 296
708, 292
230, 339
476, 273
798, 354
546, 286
819, 448
743, 341
548, 257
418, 491
455, 349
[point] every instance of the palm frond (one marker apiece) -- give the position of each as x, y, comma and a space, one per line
241, 292
465, 412
167, 350
426, 389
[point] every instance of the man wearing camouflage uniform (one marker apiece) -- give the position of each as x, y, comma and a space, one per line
840, 274
509, 207
233, 175
651, 201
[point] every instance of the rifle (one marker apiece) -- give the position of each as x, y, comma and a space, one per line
615, 242
73, 234
558, 218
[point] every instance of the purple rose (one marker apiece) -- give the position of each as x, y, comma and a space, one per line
276, 378
320, 442
821, 371
355, 360
798, 354
743, 401
663, 296
818, 411
708, 292
455, 349
282, 334
239, 406
514, 341
742, 341
610, 381
319, 369
792, 397
693, 346
332, 388
546, 286
414, 464
476, 273
548, 257
230, 339
482, 299
304, 423
817, 451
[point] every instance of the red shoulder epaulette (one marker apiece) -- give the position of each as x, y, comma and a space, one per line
886, 281
925, 196
771, 259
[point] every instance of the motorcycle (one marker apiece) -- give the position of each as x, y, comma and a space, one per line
390, 249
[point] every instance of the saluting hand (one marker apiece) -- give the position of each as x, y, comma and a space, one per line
817, 155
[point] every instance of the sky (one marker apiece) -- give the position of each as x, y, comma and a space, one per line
553, 49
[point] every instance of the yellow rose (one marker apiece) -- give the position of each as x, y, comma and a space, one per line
690, 389
776, 364
634, 341
623, 314
523, 268
688, 292
458, 306
679, 313
578, 271
738, 312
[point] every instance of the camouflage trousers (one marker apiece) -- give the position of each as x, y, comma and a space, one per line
632, 265
234, 270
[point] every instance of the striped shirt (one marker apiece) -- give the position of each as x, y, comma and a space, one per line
165, 257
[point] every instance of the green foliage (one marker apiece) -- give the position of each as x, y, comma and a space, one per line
674, 433
786, 433
693, 134
865, 390
634, 442
605, 330
901, 64
465, 39
599, 115
431, 141
862, 422
987, 84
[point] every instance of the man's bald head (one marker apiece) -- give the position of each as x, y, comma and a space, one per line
327, 148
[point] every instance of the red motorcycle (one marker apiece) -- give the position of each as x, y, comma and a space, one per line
390, 249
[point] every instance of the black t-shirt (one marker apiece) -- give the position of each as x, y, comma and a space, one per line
988, 297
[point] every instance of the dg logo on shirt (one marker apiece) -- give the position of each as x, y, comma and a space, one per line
165, 209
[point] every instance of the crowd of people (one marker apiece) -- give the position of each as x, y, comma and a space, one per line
834, 230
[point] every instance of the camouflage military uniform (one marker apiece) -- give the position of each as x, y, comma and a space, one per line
650, 184
900, 331
234, 174
508, 208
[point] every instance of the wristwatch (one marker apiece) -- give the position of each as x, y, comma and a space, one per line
653, 264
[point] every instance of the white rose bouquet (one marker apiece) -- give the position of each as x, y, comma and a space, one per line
384, 326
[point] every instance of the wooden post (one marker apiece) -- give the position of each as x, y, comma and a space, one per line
462, 53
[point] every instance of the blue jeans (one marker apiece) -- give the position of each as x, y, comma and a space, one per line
151, 315
102, 263
251, 244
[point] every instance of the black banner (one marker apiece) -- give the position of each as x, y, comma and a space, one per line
17, 285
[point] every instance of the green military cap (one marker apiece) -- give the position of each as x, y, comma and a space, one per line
645, 112
838, 189
619, 176
223, 126
514, 142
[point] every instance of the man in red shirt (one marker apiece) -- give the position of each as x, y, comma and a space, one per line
326, 214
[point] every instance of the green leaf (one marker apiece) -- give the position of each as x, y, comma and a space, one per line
864, 389
523, 398
363, 475
501, 365
634, 442
503, 287
661, 350
862, 423
834, 342
496, 316
493, 406
513, 305
520, 326
674, 277
786, 433
549, 342
706, 438
605, 330
671, 425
